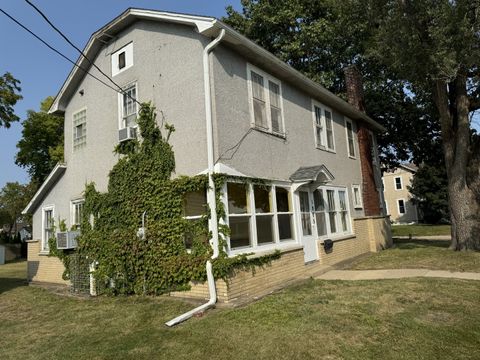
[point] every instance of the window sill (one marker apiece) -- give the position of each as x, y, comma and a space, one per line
44, 253
352, 157
359, 207
282, 136
339, 238
325, 149
265, 249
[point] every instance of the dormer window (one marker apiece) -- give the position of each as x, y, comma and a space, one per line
122, 59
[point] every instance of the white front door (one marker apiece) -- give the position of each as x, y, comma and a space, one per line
307, 225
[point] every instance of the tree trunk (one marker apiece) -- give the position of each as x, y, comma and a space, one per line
453, 106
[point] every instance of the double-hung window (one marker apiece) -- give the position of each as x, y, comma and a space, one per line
77, 213
259, 215
194, 210
331, 211
128, 107
357, 196
323, 126
398, 183
350, 138
401, 206
79, 129
47, 226
266, 101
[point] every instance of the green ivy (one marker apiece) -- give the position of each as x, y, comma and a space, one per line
141, 182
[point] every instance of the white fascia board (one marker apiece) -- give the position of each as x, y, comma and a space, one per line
54, 175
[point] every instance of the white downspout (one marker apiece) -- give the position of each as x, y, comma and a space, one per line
211, 198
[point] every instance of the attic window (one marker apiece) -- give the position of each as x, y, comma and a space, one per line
121, 60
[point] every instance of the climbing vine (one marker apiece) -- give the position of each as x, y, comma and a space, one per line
140, 183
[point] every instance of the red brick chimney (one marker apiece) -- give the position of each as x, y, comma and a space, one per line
355, 95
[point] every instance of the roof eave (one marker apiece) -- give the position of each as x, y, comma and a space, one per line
51, 179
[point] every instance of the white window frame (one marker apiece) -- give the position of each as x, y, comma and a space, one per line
251, 213
197, 217
356, 205
338, 222
404, 206
84, 142
324, 139
267, 78
73, 211
395, 183
120, 103
44, 247
128, 49
354, 155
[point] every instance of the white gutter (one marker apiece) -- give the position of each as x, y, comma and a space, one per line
211, 198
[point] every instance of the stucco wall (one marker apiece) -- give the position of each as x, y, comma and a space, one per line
392, 195
265, 155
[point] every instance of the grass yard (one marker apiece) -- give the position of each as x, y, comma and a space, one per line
420, 230
390, 319
421, 254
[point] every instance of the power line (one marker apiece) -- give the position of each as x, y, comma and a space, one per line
55, 50
79, 50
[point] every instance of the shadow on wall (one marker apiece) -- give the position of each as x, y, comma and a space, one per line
32, 269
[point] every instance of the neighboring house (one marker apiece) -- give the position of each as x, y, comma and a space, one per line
318, 151
398, 199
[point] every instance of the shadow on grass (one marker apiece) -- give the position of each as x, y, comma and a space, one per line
7, 284
417, 244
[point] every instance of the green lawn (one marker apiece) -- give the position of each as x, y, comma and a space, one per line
420, 230
390, 319
421, 254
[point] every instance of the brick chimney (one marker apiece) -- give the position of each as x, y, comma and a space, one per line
355, 95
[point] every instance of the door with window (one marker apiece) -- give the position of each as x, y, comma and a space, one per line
307, 224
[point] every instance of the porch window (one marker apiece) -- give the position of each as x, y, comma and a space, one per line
259, 215
194, 209
284, 213
332, 211
305, 213
319, 211
239, 215
266, 101
343, 210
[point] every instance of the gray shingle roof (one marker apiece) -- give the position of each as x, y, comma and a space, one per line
311, 173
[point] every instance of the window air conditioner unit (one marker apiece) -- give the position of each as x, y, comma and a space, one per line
127, 133
67, 240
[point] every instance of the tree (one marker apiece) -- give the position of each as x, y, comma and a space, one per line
41, 146
429, 190
434, 45
9, 89
13, 199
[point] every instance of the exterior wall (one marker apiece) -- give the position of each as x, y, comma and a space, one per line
265, 155
43, 268
392, 195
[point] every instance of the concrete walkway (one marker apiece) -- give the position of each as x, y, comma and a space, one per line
395, 274
429, 237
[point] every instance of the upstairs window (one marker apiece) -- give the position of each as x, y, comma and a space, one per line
398, 183
350, 138
79, 129
128, 107
323, 125
122, 59
266, 101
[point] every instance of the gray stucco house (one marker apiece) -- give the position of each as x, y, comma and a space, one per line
220, 89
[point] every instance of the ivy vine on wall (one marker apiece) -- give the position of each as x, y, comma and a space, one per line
141, 183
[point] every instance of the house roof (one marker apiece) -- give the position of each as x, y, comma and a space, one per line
409, 167
210, 27
51, 180
312, 173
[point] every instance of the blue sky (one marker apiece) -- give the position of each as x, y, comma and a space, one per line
41, 71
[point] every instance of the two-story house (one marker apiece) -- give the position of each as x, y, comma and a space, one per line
398, 199
237, 109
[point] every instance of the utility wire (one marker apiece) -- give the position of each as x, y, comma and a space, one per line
79, 50
55, 50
